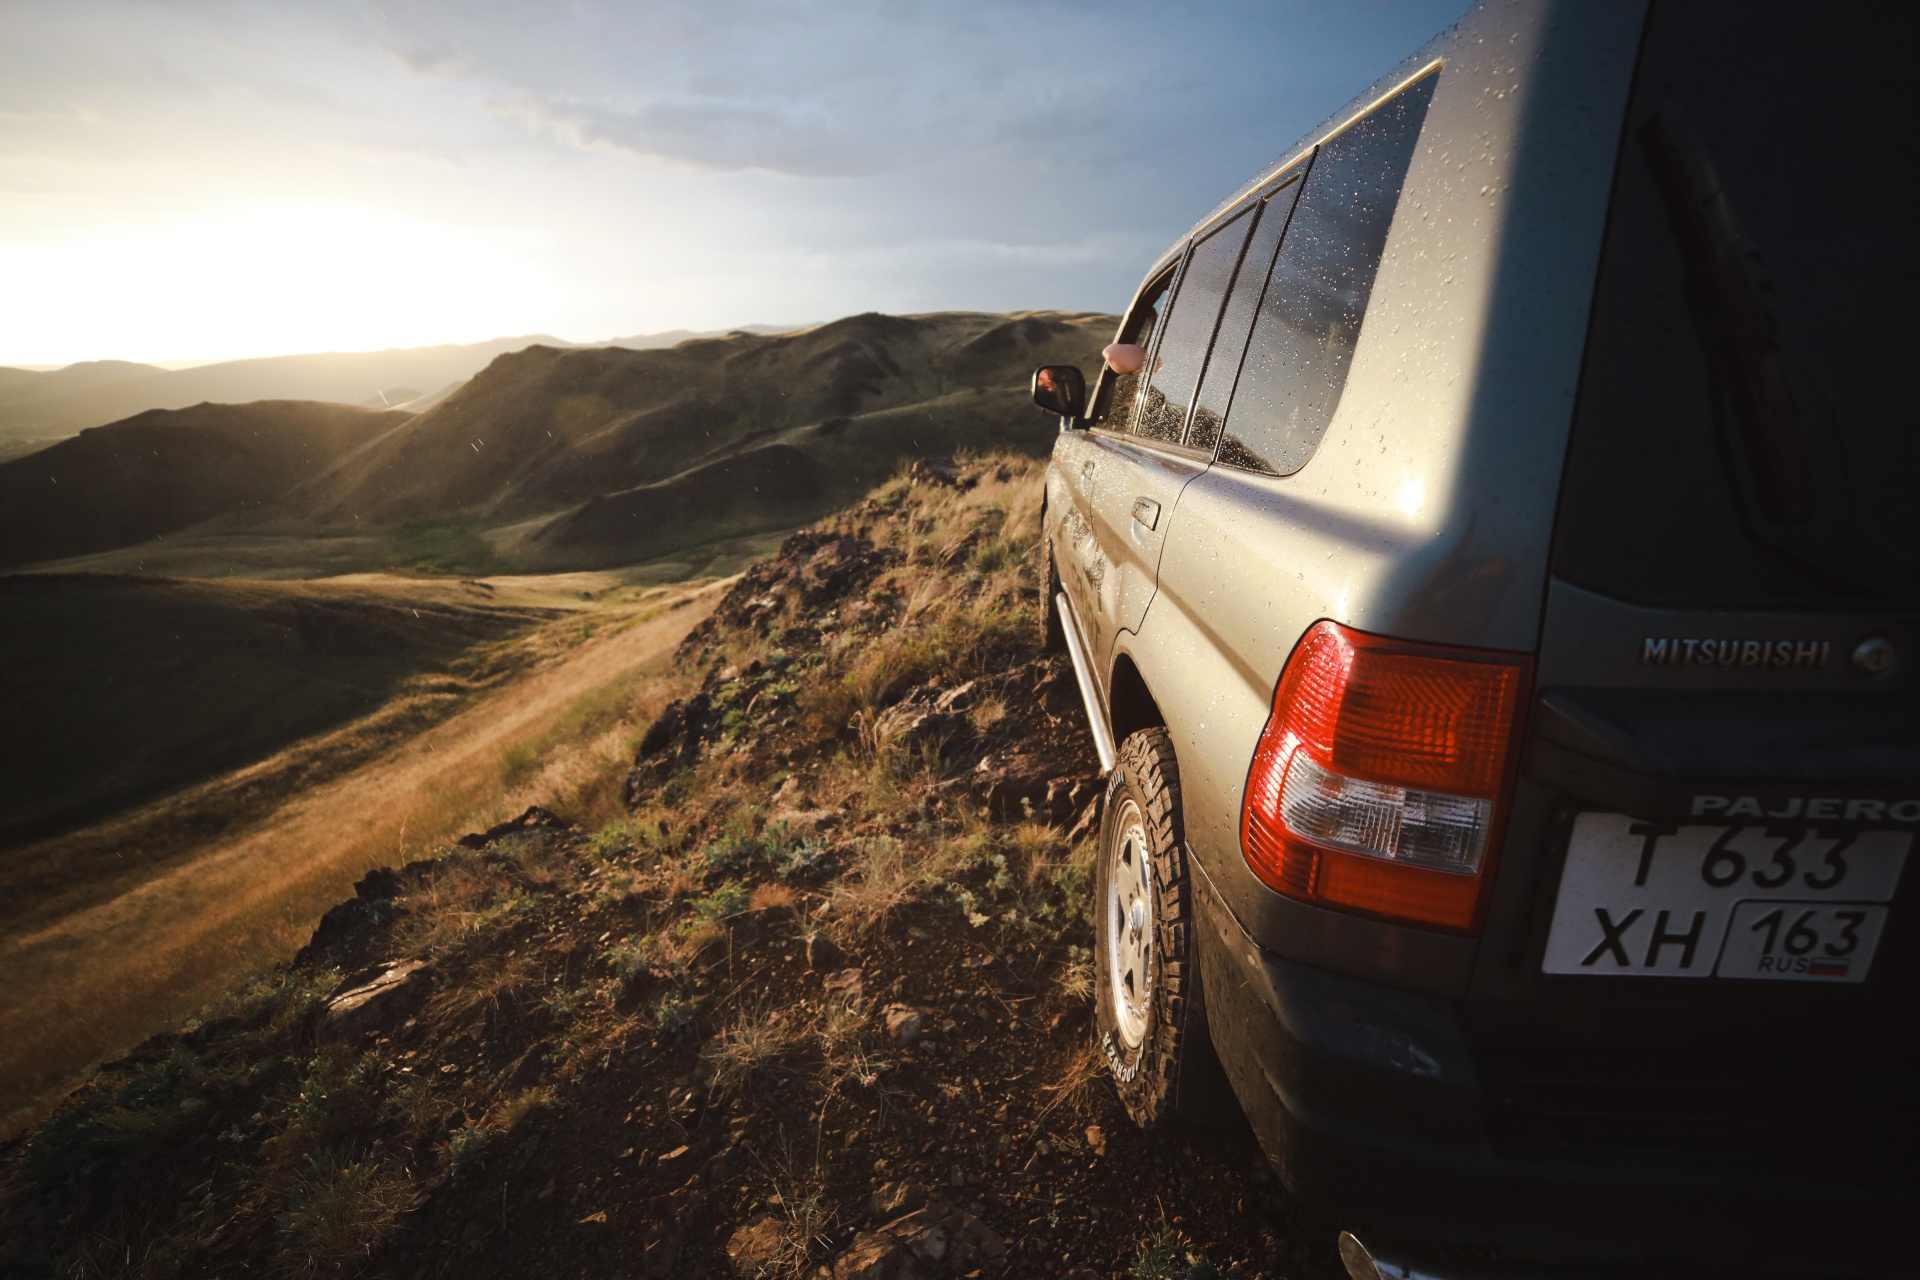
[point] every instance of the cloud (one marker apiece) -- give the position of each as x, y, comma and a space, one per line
712, 135
431, 59
724, 158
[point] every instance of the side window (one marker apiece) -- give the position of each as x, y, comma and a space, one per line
1141, 322
1316, 297
1243, 301
1188, 331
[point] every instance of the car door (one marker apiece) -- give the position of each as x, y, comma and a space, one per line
1136, 475
1080, 560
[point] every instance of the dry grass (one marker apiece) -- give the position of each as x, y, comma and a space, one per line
841, 1035
515, 1110
773, 896
487, 985
339, 1212
749, 1048
880, 879
1078, 1082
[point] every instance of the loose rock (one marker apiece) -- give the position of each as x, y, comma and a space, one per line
904, 1022
754, 1248
397, 993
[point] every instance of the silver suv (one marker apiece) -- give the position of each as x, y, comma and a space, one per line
1494, 598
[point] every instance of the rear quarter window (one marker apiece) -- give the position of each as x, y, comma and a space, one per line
1317, 290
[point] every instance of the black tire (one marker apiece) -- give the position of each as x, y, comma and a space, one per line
1144, 994
1053, 632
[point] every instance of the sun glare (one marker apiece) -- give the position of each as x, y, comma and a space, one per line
267, 279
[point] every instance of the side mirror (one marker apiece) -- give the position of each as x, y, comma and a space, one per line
1061, 389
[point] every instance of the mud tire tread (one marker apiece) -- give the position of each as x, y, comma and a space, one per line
1148, 1078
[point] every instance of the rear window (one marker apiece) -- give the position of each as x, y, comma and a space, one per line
1316, 295
1747, 432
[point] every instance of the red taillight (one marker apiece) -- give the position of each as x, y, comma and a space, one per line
1378, 782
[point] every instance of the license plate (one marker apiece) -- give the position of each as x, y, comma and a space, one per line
1765, 903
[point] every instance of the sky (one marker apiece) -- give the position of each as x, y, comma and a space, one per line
214, 179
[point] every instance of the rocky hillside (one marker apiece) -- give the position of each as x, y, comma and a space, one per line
166, 469
817, 1006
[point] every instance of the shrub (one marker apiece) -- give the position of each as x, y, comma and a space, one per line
466, 1149
339, 1211
674, 1012
730, 899
1168, 1257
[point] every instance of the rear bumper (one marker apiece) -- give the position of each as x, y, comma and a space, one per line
1369, 1103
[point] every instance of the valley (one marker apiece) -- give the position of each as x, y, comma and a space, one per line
287, 784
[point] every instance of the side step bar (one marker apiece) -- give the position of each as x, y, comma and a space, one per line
1089, 692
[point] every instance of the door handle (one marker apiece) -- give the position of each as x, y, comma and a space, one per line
1147, 512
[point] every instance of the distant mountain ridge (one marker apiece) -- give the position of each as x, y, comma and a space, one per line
56, 403
24, 384
557, 457
338, 378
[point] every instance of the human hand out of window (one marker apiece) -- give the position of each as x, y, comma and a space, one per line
1124, 357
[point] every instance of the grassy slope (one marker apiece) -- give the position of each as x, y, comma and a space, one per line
120, 688
653, 1038
168, 469
116, 931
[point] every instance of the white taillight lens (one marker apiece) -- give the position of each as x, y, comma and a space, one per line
1377, 783
1419, 828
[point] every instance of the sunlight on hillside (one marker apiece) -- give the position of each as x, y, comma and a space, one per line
107, 972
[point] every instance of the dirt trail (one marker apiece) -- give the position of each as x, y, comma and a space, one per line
95, 981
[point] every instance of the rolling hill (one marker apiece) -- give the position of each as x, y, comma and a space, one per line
165, 469
590, 457
17, 385
548, 459
121, 688
47, 405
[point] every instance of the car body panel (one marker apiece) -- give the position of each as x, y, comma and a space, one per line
1427, 511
